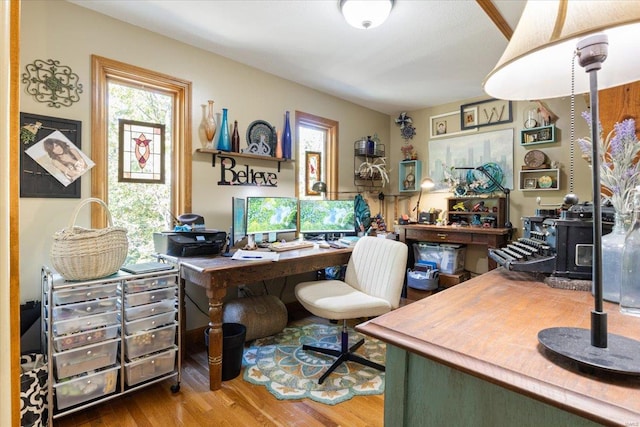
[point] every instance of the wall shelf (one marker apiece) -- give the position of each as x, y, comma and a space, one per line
539, 179
409, 176
538, 135
215, 153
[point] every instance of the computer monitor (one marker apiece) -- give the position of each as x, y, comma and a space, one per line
239, 220
327, 216
271, 215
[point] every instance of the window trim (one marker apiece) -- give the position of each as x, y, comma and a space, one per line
331, 127
104, 70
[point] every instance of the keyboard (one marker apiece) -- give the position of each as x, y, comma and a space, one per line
289, 246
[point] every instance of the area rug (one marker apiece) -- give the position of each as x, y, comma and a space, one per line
288, 372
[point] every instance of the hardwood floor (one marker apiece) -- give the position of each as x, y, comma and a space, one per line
238, 403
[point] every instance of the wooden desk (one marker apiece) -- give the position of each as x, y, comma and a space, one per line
216, 274
470, 356
489, 237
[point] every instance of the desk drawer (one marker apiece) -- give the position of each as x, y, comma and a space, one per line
462, 236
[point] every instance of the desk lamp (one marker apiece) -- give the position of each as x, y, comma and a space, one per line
426, 184
320, 187
538, 64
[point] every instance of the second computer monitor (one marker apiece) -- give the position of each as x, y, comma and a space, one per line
327, 217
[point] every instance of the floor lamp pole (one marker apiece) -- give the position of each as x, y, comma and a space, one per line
594, 348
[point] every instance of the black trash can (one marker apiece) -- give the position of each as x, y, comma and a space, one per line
233, 335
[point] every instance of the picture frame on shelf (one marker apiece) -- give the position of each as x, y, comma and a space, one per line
488, 113
447, 124
530, 183
470, 116
312, 174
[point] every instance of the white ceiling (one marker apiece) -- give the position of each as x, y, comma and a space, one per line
427, 53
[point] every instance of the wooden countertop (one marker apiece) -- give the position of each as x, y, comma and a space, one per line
488, 326
456, 228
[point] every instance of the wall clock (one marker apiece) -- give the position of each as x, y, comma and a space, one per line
534, 158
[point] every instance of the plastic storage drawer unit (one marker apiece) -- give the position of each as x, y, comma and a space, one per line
68, 311
132, 300
85, 323
146, 310
70, 341
149, 322
85, 293
141, 285
88, 358
89, 387
148, 342
146, 368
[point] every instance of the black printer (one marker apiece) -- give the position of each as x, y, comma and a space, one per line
190, 243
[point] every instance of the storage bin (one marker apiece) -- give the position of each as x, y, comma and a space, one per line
63, 312
85, 323
132, 300
85, 293
70, 341
151, 341
134, 313
150, 283
449, 258
423, 280
149, 322
150, 367
452, 258
89, 358
86, 387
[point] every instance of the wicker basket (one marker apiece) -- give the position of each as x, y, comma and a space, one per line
83, 254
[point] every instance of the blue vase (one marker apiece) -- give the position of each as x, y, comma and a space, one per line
286, 138
224, 138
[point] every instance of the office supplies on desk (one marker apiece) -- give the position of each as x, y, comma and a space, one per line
255, 255
288, 246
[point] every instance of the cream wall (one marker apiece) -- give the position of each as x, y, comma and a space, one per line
71, 34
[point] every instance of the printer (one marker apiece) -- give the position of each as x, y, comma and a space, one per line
190, 243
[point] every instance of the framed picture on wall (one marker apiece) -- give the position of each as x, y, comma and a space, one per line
313, 164
40, 175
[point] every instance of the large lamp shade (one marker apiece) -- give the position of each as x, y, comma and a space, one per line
537, 62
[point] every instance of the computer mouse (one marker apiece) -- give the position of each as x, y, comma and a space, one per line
324, 245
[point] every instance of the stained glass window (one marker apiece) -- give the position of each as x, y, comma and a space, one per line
141, 156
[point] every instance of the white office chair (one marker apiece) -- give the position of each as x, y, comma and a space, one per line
372, 286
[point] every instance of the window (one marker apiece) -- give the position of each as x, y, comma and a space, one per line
119, 91
317, 142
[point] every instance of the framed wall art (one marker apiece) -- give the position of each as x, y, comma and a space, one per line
51, 160
447, 124
487, 113
313, 171
471, 150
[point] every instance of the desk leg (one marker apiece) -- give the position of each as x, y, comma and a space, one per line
216, 297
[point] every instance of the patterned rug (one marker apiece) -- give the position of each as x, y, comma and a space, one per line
288, 372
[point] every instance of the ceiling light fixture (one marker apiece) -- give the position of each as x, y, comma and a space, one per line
537, 65
365, 14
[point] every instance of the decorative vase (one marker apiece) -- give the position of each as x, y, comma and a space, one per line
286, 138
224, 138
612, 248
209, 125
235, 138
630, 286
278, 153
